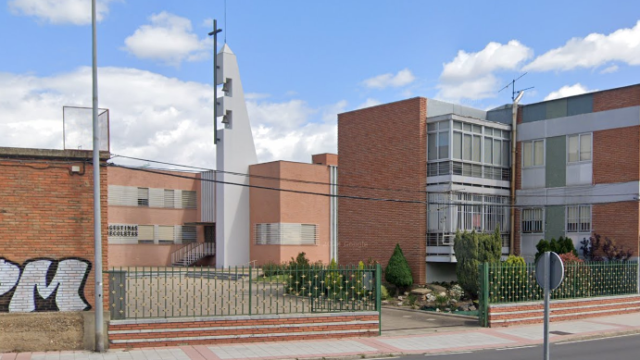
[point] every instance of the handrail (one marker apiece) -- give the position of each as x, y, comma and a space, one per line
193, 252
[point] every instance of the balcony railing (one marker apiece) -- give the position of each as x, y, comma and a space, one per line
466, 169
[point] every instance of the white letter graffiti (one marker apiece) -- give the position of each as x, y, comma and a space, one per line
32, 284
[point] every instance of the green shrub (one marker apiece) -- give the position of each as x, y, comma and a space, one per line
490, 247
563, 245
516, 260
465, 246
412, 298
397, 271
301, 276
384, 293
271, 269
442, 301
471, 250
333, 281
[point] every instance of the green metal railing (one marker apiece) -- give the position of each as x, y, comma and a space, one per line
178, 292
505, 283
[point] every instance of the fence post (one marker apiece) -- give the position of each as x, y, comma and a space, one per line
250, 295
485, 294
379, 296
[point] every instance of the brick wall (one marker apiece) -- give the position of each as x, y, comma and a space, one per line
47, 229
233, 329
533, 312
383, 147
616, 156
616, 98
619, 222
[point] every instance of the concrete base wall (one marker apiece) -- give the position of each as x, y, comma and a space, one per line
533, 312
237, 329
42, 331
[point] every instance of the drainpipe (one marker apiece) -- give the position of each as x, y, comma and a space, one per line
514, 167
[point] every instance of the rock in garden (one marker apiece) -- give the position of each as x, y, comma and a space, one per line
422, 291
400, 298
472, 308
385, 302
436, 288
399, 303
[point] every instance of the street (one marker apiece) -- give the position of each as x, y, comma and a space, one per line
621, 347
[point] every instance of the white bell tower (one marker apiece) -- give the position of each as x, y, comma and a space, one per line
235, 152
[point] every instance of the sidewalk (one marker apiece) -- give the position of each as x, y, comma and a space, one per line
454, 341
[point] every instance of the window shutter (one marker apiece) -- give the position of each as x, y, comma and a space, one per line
165, 234
156, 198
145, 234
169, 199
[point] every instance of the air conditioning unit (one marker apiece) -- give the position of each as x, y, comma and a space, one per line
447, 240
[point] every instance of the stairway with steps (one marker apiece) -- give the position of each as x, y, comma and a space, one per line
191, 253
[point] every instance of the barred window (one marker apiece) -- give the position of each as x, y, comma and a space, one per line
286, 234
189, 199
143, 197
532, 220
169, 198
188, 234
579, 218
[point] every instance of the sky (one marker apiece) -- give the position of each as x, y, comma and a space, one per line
301, 64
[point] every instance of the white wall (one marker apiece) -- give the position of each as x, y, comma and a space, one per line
235, 152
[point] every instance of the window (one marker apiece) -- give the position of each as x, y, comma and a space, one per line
188, 199
533, 153
145, 234
188, 234
286, 234
143, 197
438, 140
165, 234
579, 218
169, 199
531, 220
579, 148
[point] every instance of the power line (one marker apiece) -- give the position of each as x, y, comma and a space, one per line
356, 186
357, 197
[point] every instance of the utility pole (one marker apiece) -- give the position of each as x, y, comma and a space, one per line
97, 221
214, 33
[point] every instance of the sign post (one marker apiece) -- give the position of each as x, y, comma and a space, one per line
549, 275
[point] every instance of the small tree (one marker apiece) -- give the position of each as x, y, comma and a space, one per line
594, 249
397, 271
490, 247
465, 246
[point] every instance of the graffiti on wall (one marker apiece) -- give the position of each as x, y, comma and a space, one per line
43, 285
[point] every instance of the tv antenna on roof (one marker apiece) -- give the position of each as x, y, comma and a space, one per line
513, 87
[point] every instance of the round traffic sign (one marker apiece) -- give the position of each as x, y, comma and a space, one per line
554, 270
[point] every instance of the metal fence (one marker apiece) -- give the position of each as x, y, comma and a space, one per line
506, 283
202, 291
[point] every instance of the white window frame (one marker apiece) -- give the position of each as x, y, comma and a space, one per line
437, 133
285, 234
579, 161
532, 228
533, 154
579, 222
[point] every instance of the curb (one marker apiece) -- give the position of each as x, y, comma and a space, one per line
433, 313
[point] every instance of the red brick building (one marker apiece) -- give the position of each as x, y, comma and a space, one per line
446, 167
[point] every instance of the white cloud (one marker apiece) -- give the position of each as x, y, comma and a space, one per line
368, 103
170, 39
567, 90
152, 116
610, 69
592, 51
293, 130
471, 75
402, 78
77, 12
156, 117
